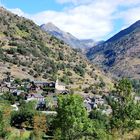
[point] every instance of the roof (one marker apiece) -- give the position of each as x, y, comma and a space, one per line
40, 82
137, 98
50, 112
43, 82
88, 106
37, 95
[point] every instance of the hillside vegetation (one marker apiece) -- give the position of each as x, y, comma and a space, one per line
28, 52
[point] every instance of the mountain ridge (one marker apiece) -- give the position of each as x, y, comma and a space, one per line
119, 54
67, 37
124, 32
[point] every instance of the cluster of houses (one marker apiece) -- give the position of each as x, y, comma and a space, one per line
97, 102
34, 90
8, 84
100, 102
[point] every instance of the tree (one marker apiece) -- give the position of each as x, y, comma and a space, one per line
124, 89
17, 81
9, 97
102, 119
39, 124
61, 56
72, 120
124, 109
79, 70
24, 116
5, 114
49, 102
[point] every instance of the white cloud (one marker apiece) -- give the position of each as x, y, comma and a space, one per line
74, 1
18, 12
130, 16
129, 3
93, 19
83, 21
118, 2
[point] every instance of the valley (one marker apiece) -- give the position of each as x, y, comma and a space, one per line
56, 86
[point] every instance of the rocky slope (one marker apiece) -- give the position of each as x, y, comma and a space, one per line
120, 54
67, 37
28, 52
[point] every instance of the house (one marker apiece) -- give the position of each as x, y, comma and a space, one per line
42, 83
7, 84
107, 111
49, 86
12, 89
49, 112
14, 107
4, 89
17, 92
89, 105
98, 100
32, 86
41, 105
59, 87
137, 99
35, 96
65, 92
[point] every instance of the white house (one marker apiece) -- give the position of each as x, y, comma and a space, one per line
59, 87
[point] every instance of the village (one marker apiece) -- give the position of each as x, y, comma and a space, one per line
45, 95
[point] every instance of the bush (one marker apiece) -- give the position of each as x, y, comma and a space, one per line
11, 51
79, 70
61, 56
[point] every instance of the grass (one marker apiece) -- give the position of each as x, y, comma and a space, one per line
4, 104
132, 135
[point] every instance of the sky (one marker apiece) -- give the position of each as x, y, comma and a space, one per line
85, 19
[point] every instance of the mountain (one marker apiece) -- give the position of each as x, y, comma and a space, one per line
120, 54
28, 52
67, 37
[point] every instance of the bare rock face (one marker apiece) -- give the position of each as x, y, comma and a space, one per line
120, 54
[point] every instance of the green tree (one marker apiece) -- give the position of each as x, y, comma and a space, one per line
24, 116
124, 89
79, 70
102, 119
49, 101
124, 110
72, 121
17, 81
5, 121
9, 97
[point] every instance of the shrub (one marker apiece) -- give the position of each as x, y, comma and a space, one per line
79, 70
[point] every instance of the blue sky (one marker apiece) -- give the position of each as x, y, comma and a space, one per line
96, 19
33, 6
